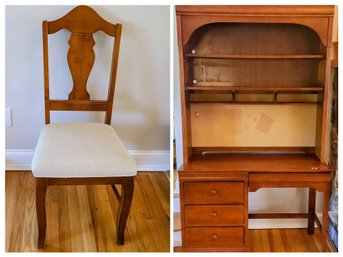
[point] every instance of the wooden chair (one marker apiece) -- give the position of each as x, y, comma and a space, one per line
82, 153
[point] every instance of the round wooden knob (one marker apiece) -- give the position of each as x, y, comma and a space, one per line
197, 114
214, 214
213, 191
214, 237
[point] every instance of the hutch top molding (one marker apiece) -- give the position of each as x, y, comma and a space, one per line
315, 17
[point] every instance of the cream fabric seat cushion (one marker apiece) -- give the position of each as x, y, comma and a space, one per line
74, 150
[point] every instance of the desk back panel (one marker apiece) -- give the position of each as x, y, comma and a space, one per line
253, 125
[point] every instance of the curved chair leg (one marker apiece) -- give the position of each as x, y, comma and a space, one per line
41, 187
124, 208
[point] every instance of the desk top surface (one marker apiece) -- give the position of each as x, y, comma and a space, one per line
253, 162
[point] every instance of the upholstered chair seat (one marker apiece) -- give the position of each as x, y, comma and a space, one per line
76, 150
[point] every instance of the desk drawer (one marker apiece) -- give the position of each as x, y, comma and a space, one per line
214, 215
208, 237
213, 192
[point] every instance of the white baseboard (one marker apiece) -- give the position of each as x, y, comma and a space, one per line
20, 159
176, 204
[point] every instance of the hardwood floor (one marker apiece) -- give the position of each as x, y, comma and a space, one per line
284, 240
82, 218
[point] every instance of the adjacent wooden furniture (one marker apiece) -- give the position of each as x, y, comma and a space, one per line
254, 86
50, 162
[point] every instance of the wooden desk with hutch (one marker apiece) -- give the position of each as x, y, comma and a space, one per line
254, 85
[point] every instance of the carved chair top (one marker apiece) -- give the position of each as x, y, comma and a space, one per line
82, 22
82, 19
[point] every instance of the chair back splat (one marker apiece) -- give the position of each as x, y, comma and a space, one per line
82, 22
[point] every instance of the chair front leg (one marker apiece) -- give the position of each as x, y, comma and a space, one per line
41, 188
124, 208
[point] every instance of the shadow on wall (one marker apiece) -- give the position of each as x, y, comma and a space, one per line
147, 124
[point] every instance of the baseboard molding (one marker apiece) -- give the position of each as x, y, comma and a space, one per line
20, 159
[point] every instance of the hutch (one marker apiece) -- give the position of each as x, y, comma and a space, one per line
254, 85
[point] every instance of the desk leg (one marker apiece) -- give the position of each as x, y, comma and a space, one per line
311, 210
326, 199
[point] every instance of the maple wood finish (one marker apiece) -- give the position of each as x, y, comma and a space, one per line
254, 87
209, 215
82, 22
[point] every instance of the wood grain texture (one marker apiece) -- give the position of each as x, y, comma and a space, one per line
220, 88
287, 10
124, 207
251, 49
285, 240
200, 150
319, 24
256, 72
82, 19
250, 162
82, 22
311, 210
65, 105
81, 59
41, 188
113, 76
214, 237
45, 28
247, 56
214, 215
82, 218
213, 192
271, 41
314, 17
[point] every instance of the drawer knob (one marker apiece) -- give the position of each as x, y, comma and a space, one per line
195, 81
213, 191
214, 214
214, 237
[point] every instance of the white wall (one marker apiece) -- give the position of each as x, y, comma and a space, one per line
141, 105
